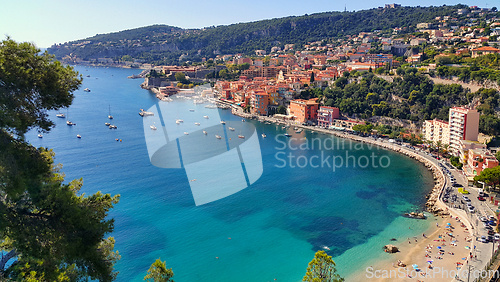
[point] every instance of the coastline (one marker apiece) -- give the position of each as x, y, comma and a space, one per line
412, 252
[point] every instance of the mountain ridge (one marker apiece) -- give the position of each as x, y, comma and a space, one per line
165, 44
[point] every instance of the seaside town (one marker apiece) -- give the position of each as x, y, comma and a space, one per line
277, 88
425, 95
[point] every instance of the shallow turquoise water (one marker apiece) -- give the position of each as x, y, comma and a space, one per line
275, 225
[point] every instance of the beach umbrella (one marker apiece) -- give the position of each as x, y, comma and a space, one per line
439, 247
449, 224
429, 261
415, 266
467, 247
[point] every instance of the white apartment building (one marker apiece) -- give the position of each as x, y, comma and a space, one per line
437, 131
463, 125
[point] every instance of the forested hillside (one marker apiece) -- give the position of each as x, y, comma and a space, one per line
162, 44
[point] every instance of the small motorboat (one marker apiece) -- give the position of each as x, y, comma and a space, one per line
107, 123
88, 75
231, 128
86, 90
204, 132
113, 126
70, 123
186, 133
153, 127
264, 135
78, 136
40, 136
197, 123
205, 117
218, 136
191, 110
178, 122
243, 120
287, 135
298, 131
222, 122
241, 136
60, 115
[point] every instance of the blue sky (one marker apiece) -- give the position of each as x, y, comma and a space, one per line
58, 21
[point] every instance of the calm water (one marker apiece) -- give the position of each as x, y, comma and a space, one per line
269, 230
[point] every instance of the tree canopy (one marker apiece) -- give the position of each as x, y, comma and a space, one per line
30, 84
158, 272
322, 269
48, 230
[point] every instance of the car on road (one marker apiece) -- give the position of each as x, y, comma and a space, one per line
466, 198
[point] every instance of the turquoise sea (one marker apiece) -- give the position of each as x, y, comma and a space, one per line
267, 231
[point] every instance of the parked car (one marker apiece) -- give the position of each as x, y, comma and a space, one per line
466, 198
471, 209
481, 198
497, 237
483, 239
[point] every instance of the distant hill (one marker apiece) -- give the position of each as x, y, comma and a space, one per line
163, 44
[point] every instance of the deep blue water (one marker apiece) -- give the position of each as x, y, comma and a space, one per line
269, 230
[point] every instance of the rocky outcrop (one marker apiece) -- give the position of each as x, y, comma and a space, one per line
391, 249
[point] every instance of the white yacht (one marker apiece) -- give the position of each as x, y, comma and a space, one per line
197, 123
153, 127
109, 115
69, 123
40, 136
241, 136
205, 117
86, 90
60, 115
222, 122
78, 136
218, 136
204, 132
231, 128
186, 133
264, 135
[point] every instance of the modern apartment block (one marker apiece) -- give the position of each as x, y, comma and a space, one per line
304, 110
437, 131
326, 115
464, 125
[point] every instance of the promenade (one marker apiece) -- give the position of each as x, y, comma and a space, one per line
475, 256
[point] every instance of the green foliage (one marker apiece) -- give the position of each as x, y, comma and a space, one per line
30, 84
322, 269
365, 128
158, 272
490, 176
281, 110
181, 77
162, 44
489, 124
50, 230
455, 161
